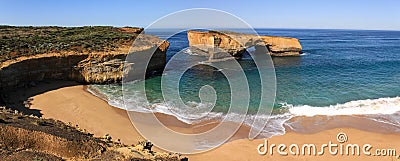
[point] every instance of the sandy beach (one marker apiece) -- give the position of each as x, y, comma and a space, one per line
69, 102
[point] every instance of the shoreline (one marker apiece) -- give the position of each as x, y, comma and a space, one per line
74, 104
70, 102
301, 124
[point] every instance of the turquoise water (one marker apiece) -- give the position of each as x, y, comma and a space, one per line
341, 72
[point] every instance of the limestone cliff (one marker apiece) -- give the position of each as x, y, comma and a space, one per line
101, 66
236, 43
109, 67
282, 46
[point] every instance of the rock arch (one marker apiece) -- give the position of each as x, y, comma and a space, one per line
236, 43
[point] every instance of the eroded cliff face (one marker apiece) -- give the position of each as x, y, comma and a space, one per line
111, 67
200, 42
282, 46
93, 67
236, 43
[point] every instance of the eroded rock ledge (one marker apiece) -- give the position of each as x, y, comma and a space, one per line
24, 137
236, 43
83, 66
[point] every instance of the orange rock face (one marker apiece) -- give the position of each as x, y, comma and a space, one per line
236, 43
203, 41
131, 30
282, 46
93, 67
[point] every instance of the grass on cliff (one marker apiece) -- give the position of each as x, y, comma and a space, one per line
25, 41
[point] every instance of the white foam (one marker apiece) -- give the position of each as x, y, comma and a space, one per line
188, 51
304, 54
360, 107
275, 126
387, 108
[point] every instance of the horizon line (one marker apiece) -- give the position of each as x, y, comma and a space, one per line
289, 28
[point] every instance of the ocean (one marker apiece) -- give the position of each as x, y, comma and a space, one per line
341, 72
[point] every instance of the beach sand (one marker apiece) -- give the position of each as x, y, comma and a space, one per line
69, 102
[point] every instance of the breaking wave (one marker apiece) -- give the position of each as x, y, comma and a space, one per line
358, 107
374, 109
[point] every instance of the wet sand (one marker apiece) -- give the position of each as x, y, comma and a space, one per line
72, 103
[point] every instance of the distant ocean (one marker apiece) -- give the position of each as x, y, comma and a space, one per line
341, 72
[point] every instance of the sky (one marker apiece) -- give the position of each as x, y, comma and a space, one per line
315, 14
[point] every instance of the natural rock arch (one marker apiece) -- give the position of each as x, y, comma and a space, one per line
236, 43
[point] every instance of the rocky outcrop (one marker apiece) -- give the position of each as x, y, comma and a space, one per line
282, 46
86, 67
236, 43
24, 137
110, 67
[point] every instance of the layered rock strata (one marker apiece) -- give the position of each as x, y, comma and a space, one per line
85, 67
236, 43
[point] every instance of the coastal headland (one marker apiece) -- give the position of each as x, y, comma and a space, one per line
44, 71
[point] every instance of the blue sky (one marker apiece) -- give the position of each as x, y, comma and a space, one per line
335, 14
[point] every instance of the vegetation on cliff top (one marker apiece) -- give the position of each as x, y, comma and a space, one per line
26, 41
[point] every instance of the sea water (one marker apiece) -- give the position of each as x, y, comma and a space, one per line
341, 72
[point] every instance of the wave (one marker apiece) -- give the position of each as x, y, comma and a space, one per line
374, 109
359, 107
304, 54
382, 110
274, 127
379, 38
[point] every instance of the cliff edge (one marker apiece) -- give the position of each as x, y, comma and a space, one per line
84, 54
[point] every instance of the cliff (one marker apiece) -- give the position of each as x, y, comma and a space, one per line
84, 54
282, 46
236, 43
31, 138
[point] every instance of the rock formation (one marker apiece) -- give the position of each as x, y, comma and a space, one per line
109, 67
24, 137
236, 43
86, 67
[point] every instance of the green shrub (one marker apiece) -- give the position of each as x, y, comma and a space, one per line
19, 41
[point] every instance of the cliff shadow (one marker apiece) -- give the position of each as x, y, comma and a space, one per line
291, 61
284, 61
20, 98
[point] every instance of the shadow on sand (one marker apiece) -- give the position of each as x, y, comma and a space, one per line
20, 98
